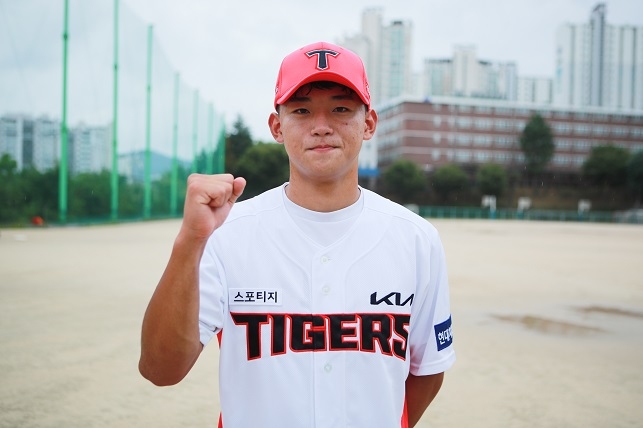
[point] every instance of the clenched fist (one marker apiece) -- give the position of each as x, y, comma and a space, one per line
208, 201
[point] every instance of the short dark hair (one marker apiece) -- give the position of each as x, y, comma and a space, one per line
323, 85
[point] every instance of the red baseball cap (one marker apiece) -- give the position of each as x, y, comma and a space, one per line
317, 62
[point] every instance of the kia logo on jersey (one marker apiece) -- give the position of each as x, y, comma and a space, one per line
396, 296
322, 57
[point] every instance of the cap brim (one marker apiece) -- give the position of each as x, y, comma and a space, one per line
327, 76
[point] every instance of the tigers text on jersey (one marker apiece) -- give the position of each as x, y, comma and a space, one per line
323, 336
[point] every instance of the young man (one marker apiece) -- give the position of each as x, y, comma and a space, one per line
330, 302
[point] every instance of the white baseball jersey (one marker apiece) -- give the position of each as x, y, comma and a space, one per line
323, 336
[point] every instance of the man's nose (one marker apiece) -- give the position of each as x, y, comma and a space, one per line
321, 124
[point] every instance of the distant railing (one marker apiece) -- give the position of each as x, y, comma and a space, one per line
632, 216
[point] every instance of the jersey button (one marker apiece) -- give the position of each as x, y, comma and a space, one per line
325, 289
328, 367
325, 259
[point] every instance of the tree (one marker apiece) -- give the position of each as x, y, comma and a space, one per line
635, 175
491, 180
404, 179
449, 179
237, 142
264, 166
537, 143
9, 189
89, 195
39, 193
8, 167
607, 166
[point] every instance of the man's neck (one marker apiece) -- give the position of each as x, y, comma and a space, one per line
324, 197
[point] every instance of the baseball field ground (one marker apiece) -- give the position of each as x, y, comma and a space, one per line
547, 322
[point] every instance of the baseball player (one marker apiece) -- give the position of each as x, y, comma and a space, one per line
329, 302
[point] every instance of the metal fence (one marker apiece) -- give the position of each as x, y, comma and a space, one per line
630, 216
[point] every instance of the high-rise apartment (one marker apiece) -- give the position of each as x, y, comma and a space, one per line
396, 60
465, 75
599, 65
534, 90
386, 52
31, 143
89, 149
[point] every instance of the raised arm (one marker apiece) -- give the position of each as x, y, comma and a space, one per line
170, 342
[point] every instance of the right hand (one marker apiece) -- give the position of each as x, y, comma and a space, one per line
208, 201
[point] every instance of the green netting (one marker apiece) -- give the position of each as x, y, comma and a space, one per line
122, 91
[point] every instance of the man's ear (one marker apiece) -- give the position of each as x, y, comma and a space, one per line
274, 123
371, 124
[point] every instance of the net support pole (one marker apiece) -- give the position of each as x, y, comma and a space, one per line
147, 199
195, 131
209, 165
62, 173
174, 179
114, 174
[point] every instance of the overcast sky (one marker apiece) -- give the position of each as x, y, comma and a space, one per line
231, 50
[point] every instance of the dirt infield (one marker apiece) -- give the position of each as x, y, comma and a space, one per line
548, 328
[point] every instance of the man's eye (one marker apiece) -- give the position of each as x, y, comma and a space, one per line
300, 111
341, 109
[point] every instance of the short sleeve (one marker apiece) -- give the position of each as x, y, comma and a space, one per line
431, 340
211, 296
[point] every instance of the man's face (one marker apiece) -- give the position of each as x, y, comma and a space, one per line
322, 131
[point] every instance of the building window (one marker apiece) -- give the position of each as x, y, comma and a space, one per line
502, 124
619, 131
600, 130
483, 123
436, 138
503, 111
464, 123
482, 109
582, 129
504, 141
463, 155
482, 140
463, 139
581, 146
562, 128
561, 160
482, 157
502, 157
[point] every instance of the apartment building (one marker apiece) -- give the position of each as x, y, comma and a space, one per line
31, 143
598, 64
469, 132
